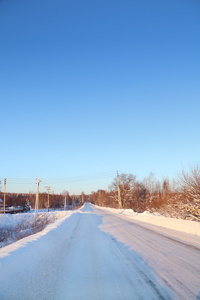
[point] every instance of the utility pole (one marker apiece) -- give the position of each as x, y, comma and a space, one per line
65, 203
37, 197
65, 200
119, 195
73, 201
48, 189
4, 202
82, 197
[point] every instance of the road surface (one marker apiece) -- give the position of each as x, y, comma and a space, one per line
95, 254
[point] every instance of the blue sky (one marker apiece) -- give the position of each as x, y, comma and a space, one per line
91, 87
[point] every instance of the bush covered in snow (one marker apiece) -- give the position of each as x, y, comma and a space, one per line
18, 226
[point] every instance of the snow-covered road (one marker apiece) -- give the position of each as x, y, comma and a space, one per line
95, 254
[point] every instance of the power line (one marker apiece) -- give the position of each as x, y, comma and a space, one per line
14, 181
82, 178
64, 180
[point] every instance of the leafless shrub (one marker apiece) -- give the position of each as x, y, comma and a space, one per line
9, 234
189, 184
188, 188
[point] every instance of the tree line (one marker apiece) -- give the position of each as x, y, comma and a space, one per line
56, 201
134, 194
126, 191
151, 194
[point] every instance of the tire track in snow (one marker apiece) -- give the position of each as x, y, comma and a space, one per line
99, 267
33, 272
94, 255
175, 264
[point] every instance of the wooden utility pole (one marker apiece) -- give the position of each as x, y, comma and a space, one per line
37, 197
48, 189
82, 197
73, 201
65, 201
119, 194
4, 201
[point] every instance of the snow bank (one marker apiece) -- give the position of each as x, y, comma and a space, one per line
5, 251
17, 226
186, 226
12, 220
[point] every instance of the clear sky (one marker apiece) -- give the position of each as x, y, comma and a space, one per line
91, 87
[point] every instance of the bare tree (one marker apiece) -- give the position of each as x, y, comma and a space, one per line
189, 187
189, 184
83, 198
152, 186
126, 183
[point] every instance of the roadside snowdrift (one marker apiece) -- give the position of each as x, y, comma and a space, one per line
100, 253
18, 226
186, 226
55, 218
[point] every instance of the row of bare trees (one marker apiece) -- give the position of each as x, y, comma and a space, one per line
151, 193
55, 200
134, 194
189, 189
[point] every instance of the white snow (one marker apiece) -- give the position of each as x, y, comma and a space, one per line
102, 253
26, 220
12, 220
191, 227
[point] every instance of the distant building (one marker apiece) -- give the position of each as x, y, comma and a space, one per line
2, 206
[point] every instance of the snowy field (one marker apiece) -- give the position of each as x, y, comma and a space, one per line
16, 226
12, 220
102, 253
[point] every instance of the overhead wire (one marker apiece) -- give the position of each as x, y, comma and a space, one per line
66, 180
